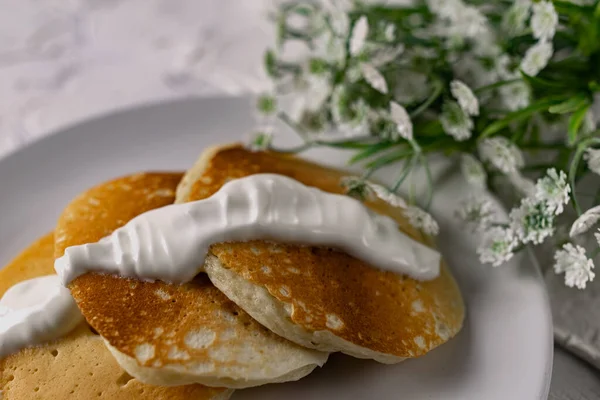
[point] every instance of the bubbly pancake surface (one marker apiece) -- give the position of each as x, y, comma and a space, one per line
172, 331
78, 366
319, 289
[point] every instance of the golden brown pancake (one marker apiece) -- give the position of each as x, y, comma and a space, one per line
170, 334
78, 366
320, 297
34, 261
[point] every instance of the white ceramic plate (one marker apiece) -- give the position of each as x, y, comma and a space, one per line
503, 352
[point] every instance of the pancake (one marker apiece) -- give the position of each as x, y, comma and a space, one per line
34, 261
170, 334
77, 366
320, 297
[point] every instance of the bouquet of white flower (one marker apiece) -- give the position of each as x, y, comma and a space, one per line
503, 84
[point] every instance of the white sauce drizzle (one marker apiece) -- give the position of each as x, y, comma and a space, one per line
171, 243
36, 311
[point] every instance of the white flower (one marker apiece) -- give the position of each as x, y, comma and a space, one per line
330, 48
445, 8
501, 153
357, 187
388, 196
374, 78
390, 32
359, 35
585, 221
471, 23
532, 221
313, 91
514, 21
260, 141
524, 185
515, 96
597, 236
554, 190
473, 171
467, 100
592, 157
536, 58
497, 246
573, 261
477, 212
402, 120
421, 220
455, 122
544, 20
384, 55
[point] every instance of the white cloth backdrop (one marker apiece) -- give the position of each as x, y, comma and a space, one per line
62, 61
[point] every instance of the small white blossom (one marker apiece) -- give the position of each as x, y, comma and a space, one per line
524, 185
597, 236
445, 8
592, 157
501, 153
532, 221
357, 187
390, 32
554, 190
585, 221
421, 220
388, 196
515, 96
497, 246
573, 261
477, 212
515, 19
359, 35
467, 22
374, 78
544, 20
384, 55
402, 120
473, 171
313, 91
260, 141
455, 121
536, 58
465, 96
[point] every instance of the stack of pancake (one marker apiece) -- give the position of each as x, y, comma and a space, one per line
258, 312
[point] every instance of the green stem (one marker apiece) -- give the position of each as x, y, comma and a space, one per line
495, 85
425, 163
573, 174
437, 90
408, 165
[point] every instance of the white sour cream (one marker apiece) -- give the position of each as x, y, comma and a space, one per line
36, 311
171, 243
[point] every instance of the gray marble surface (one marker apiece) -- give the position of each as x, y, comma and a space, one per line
62, 61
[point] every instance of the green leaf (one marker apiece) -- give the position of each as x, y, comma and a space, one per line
541, 105
575, 122
271, 64
537, 82
569, 105
370, 151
